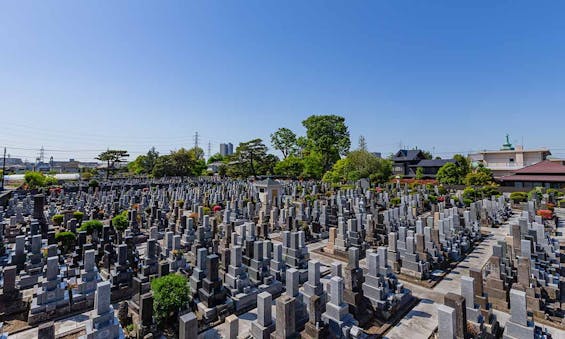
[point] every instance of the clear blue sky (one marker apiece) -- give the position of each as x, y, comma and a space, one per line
450, 76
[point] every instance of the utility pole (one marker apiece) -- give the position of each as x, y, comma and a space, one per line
3, 170
209, 149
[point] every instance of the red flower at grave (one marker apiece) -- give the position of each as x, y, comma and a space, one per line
216, 208
546, 214
441, 199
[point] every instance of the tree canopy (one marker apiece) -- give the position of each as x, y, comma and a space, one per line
36, 180
144, 164
482, 176
357, 165
454, 173
171, 293
182, 163
284, 140
112, 157
328, 135
250, 156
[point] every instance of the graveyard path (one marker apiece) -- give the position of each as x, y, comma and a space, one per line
421, 321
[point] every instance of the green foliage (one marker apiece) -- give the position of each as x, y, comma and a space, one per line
91, 225
67, 240
112, 157
313, 166
395, 201
284, 140
489, 190
469, 193
357, 165
419, 173
454, 173
535, 194
448, 174
144, 164
78, 215
216, 157
86, 175
120, 221
327, 135
36, 180
93, 183
171, 293
480, 177
58, 219
267, 165
181, 163
252, 159
555, 192
518, 197
291, 166
427, 155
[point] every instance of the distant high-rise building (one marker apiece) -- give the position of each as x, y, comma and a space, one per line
226, 149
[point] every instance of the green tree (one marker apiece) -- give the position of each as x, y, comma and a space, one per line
449, 174
482, 176
171, 293
463, 166
67, 240
518, 197
182, 163
136, 166
91, 225
120, 221
328, 135
267, 165
35, 180
454, 173
427, 155
313, 166
150, 160
291, 166
249, 155
58, 219
164, 167
284, 140
419, 173
357, 165
112, 157
78, 215
216, 158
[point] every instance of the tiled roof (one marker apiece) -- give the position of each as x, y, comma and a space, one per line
544, 167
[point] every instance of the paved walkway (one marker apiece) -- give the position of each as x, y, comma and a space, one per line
421, 321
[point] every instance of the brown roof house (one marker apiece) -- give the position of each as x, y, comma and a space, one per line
548, 174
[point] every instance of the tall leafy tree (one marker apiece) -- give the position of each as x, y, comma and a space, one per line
150, 160
112, 157
482, 176
284, 140
290, 167
328, 135
249, 156
449, 174
357, 165
454, 173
